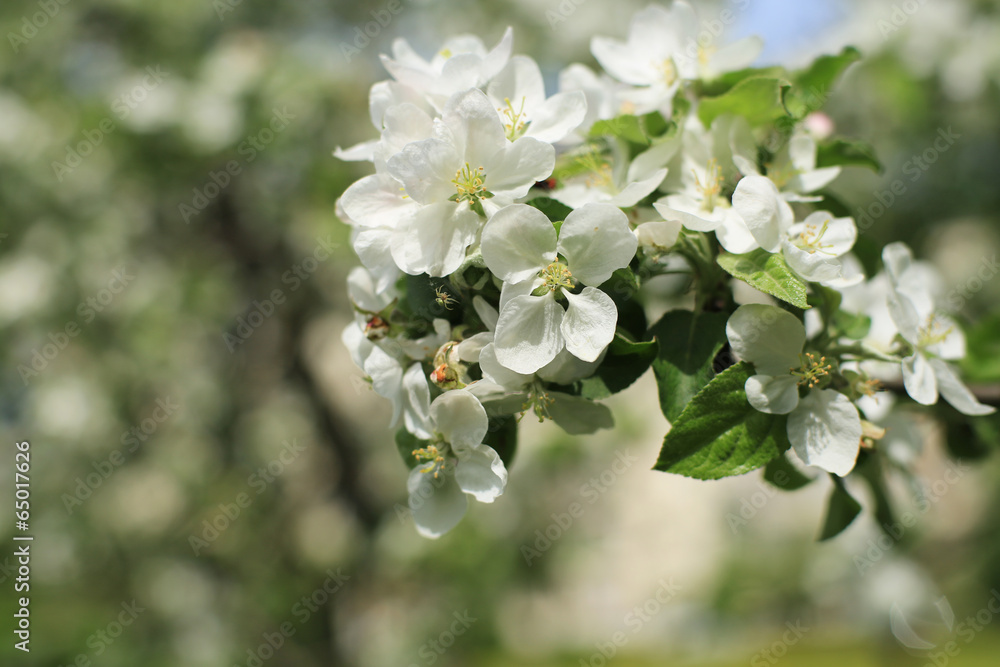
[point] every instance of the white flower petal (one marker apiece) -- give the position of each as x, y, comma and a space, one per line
497, 373
952, 345
416, 402
659, 234
518, 242
734, 235
814, 266
635, 191
802, 152
387, 379
426, 169
596, 240
558, 116
481, 473
433, 240
376, 201
619, 61
689, 212
374, 249
437, 503
919, 380
589, 324
736, 56
776, 395
361, 290
460, 418
470, 349
520, 81
811, 181
486, 312
825, 431
474, 127
528, 332
362, 152
767, 216
567, 369
510, 173
956, 393
767, 336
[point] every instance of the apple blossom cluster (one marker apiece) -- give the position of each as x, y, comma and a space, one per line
508, 238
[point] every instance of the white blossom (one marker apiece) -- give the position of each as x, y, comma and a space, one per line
824, 427
454, 463
935, 339
521, 247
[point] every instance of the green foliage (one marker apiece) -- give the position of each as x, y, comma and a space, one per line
842, 509
811, 86
768, 273
626, 360
725, 82
871, 469
502, 437
852, 325
782, 474
719, 434
689, 342
982, 359
553, 209
406, 442
422, 298
758, 99
626, 126
847, 153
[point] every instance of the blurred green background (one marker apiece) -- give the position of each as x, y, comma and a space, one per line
166, 173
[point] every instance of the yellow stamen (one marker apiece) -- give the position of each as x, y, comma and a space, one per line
811, 370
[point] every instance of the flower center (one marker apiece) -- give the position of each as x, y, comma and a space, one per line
811, 370
515, 124
668, 71
780, 177
934, 332
712, 186
556, 276
470, 184
433, 455
538, 402
599, 171
705, 53
810, 239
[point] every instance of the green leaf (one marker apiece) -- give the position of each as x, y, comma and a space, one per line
852, 325
621, 287
719, 434
406, 442
846, 153
502, 437
553, 209
421, 298
725, 82
689, 342
768, 273
871, 469
782, 474
982, 360
626, 126
758, 99
812, 85
842, 509
625, 361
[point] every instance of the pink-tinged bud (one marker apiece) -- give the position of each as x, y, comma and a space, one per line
376, 329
